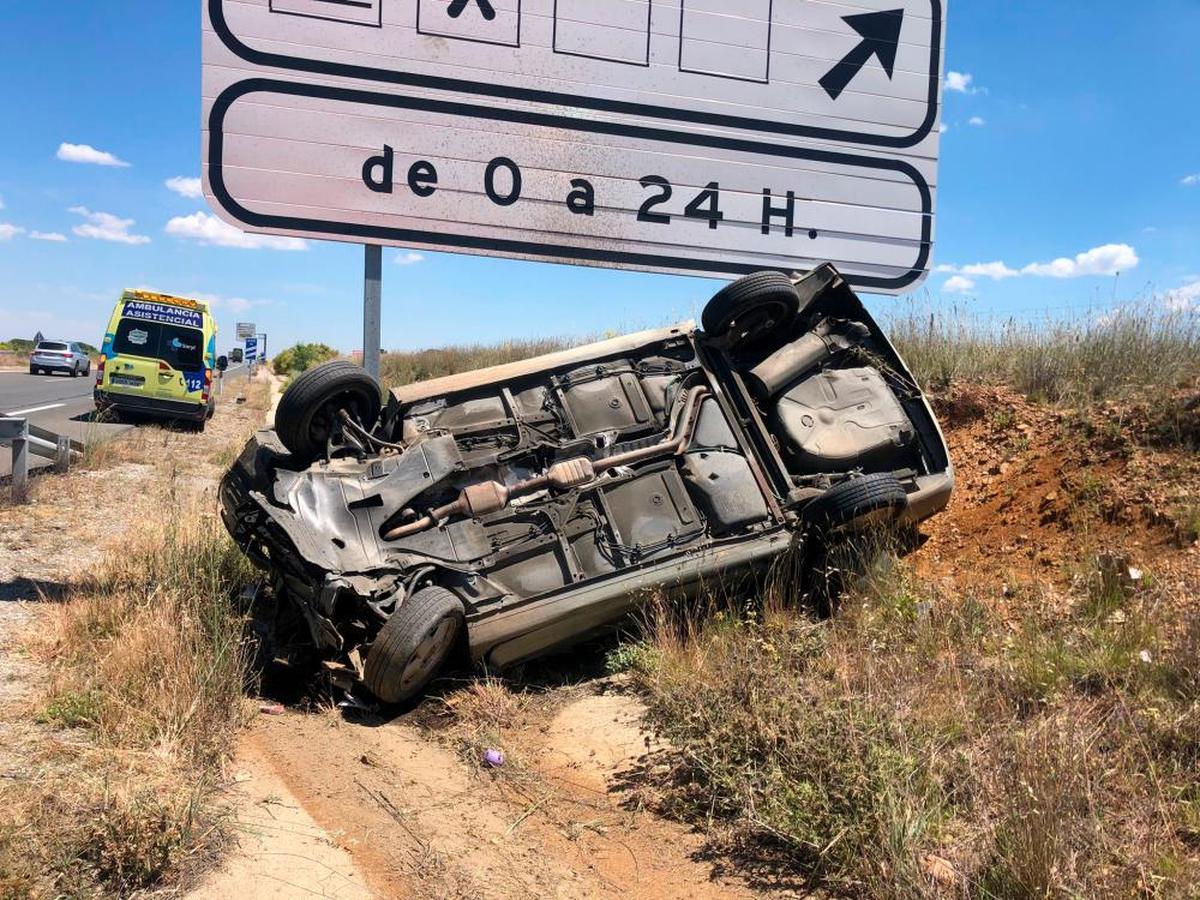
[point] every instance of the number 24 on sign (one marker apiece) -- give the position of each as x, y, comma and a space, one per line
503, 183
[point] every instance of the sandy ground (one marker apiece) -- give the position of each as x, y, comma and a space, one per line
420, 820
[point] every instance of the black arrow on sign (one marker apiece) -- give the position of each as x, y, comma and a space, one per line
880, 37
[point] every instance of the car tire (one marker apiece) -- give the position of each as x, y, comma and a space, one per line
307, 413
413, 644
33, 370
74, 370
87, 370
750, 310
858, 503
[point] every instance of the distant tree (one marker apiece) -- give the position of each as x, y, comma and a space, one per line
302, 357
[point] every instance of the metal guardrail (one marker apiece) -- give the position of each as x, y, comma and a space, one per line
26, 439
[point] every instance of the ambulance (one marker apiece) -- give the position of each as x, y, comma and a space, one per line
159, 359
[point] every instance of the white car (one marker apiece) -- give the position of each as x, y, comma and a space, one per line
59, 356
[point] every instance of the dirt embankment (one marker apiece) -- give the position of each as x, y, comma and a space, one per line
1040, 492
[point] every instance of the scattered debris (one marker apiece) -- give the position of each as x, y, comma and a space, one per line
272, 709
493, 758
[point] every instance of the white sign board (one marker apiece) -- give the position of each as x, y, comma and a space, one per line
712, 137
246, 330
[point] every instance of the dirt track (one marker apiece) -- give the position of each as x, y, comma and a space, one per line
420, 822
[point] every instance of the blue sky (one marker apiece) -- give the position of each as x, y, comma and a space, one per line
1072, 151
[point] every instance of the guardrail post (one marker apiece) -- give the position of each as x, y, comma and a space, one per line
62, 460
20, 466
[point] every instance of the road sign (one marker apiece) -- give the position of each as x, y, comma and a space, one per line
246, 330
251, 349
713, 137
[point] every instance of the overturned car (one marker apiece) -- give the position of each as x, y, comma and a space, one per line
515, 510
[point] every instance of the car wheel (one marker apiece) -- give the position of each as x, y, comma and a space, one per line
33, 370
858, 503
308, 414
413, 644
745, 313
87, 370
75, 371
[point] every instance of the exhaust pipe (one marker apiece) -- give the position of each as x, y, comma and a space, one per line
492, 496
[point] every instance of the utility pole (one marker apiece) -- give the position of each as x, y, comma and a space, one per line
372, 295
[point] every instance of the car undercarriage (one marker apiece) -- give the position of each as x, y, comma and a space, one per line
520, 509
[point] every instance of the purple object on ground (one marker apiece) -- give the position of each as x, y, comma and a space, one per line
494, 758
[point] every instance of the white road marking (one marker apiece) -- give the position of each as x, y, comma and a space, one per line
25, 412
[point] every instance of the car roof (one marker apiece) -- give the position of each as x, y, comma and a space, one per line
449, 384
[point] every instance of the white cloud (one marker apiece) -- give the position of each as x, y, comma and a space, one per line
102, 226
52, 236
1110, 259
409, 259
1107, 260
961, 82
1184, 298
997, 271
8, 231
958, 285
977, 121
84, 153
943, 128
185, 187
207, 229
1186, 181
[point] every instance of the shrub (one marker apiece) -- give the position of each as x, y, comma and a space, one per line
302, 357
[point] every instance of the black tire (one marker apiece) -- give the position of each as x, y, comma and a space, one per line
75, 371
853, 504
308, 411
33, 370
751, 309
87, 370
413, 645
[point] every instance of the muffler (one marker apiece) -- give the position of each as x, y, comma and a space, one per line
827, 339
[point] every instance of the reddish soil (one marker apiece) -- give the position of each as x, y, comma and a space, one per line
1040, 492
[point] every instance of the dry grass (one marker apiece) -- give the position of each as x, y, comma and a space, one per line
405, 368
1147, 345
917, 745
145, 667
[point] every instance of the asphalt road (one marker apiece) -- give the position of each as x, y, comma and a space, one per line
62, 404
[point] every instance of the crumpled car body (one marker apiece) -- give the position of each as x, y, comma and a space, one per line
551, 495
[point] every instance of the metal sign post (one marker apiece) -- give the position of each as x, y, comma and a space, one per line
706, 137
372, 301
